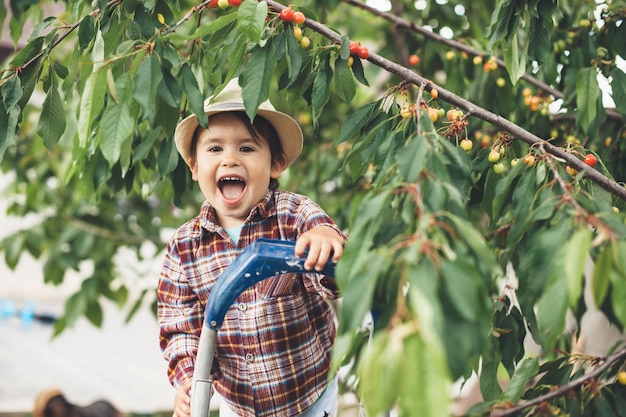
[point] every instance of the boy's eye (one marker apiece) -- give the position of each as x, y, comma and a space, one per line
214, 149
247, 149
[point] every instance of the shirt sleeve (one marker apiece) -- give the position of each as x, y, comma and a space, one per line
179, 314
308, 216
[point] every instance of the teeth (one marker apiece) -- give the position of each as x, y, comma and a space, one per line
231, 179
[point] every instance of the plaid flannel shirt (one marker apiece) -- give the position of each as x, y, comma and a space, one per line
273, 349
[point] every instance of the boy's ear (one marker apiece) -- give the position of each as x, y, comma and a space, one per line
278, 165
194, 168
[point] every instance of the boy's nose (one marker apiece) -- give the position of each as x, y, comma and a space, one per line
230, 160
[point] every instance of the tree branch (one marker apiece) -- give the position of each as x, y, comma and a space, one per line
449, 97
612, 113
564, 389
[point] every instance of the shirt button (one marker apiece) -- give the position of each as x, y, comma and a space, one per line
243, 306
249, 357
324, 282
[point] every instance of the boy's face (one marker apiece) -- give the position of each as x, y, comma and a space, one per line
233, 169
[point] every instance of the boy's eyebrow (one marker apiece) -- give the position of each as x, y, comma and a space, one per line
221, 139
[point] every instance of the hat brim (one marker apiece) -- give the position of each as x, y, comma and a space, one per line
288, 130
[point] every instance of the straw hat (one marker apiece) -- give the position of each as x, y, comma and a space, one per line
230, 99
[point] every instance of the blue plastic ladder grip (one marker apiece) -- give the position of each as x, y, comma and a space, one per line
262, 259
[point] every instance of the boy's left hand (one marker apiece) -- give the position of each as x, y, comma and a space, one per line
321, 241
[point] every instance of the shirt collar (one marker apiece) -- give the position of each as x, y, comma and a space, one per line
264, 209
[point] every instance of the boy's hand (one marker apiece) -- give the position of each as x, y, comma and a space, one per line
321, 241
182, 401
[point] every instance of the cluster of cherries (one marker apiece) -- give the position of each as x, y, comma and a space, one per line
297, 17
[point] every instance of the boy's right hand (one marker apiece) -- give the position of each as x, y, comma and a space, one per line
182, 401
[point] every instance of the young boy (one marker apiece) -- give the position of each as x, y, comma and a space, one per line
273, 349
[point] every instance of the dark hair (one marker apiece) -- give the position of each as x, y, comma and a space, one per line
260, 129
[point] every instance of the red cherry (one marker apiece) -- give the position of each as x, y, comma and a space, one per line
363, 53
298, 18
590, 159
354, 47
213, 4
234, 3
286, 14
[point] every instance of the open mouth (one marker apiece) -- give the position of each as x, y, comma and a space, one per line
231, 187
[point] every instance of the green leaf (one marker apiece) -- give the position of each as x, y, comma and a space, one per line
619, 89
321, 84
359, 73
251, 17
489, 384
196, 101
425, 375
516, 388
148, 77
116, 128
539, 44
344, 51
552, 306
256, 79
587, 96
13, 247
75, 306
504, 192
94, 313
51, 123
168, 158
8, 124
169, 89
412, 159
86, 31
147, 144
423, 378
501, 21
344, 82
361, 300
208, 29
457, 274
295, 58
61, 70
91, 103
133, 33
11, 92
144, 20
514, 59
97, 53
576, 255
355, 122
382, 363
618, 295
476, 242
601, 274
19, 7
511, 332
16, 26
